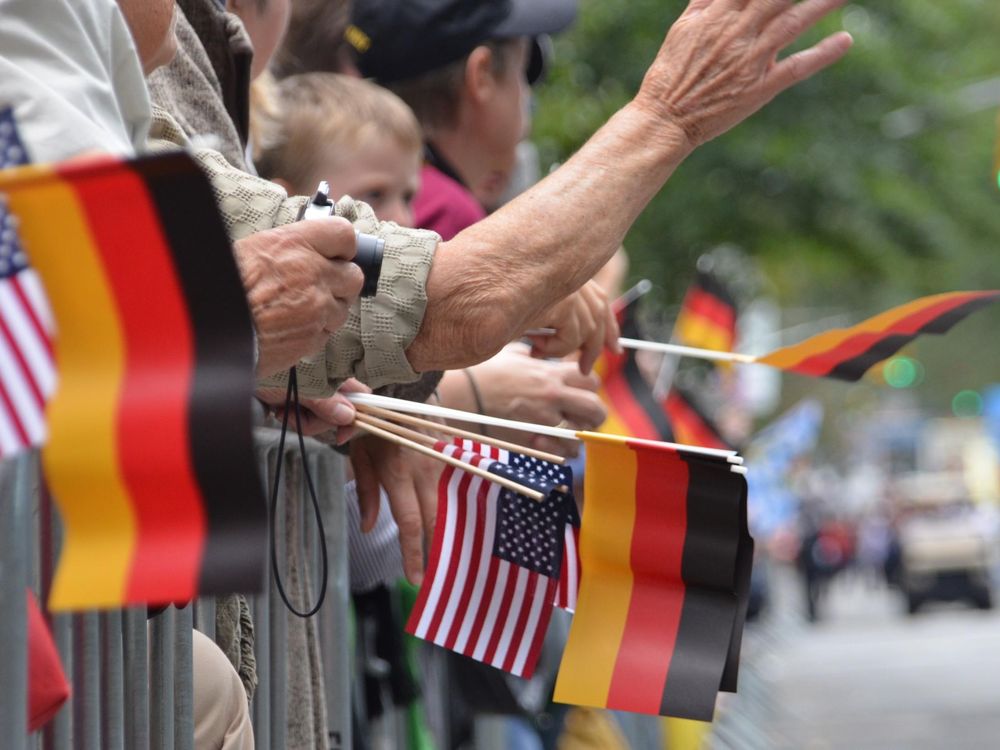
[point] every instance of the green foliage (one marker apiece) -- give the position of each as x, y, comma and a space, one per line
864, 187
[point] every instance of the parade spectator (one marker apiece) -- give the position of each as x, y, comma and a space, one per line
315, 42
366, 143
70, 72
357, 136
467, 78
553, 237
499, 277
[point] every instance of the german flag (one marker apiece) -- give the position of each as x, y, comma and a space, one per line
632, 407
848, 353
707, 318
150, 455
691, 426
660, 595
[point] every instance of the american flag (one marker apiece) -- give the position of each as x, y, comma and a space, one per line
27, 368
569, 571
569, 577
496, 560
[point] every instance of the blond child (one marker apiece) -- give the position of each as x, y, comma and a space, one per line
357, 136
366, 143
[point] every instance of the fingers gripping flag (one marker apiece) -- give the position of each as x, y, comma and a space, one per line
495, 561
27, 368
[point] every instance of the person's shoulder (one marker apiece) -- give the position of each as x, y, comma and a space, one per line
444, 205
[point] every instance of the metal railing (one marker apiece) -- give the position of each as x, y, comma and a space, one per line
132, 677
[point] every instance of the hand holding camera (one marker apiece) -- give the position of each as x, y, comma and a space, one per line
369, 247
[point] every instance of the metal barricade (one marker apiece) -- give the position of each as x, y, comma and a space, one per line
303, 665
15, 553
132, 677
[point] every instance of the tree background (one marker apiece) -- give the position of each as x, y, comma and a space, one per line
867, 186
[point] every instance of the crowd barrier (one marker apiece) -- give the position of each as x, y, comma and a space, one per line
132, 677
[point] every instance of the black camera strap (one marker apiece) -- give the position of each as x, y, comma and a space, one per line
292, 402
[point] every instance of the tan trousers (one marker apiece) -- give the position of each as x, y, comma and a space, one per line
221, 713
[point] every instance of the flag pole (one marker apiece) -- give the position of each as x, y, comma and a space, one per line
644, 287
457, 432
392, 437
431, 442
641, 289
663, 348
429, 410
687, 351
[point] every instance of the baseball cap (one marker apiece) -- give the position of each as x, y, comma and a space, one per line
400, 39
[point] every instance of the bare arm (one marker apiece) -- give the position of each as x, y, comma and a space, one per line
717, 66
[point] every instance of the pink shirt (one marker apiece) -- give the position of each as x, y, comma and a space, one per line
444, 205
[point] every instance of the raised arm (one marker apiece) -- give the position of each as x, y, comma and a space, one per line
718, 65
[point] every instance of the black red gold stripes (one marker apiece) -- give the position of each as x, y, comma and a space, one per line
219, 416
149, 456
660, 592
707, 318
691, 426
848, 353
632, 407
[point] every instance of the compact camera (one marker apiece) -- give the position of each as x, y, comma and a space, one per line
369, 247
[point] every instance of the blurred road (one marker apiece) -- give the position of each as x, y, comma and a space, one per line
866, 677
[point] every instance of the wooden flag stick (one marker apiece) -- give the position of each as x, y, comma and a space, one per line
419, 437
458, 432
429, 410
405, 432
496, 479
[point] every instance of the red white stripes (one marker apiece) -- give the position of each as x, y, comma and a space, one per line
569, 574
473, 602
27, 368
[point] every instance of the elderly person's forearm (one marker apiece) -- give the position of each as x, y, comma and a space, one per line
717, 66
494, 278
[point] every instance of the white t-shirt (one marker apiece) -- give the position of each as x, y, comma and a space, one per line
70, 70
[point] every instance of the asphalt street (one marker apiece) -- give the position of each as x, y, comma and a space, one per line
866, 677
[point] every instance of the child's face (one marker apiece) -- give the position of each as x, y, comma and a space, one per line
381, 173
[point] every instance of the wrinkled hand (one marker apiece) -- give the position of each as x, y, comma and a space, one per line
319, 416
583, 321
410, 480
718, 64
300, 283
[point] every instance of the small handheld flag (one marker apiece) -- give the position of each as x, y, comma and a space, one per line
691, 426
27, 369
632, 407
707, 317
150, 456
848, 353
495, 561
665, 562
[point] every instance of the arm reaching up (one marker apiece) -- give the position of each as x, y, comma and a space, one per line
717, 66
